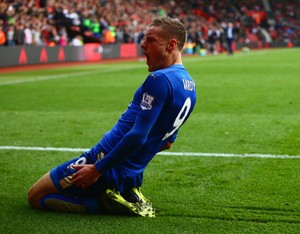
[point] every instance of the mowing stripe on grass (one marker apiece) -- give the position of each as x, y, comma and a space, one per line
69, 75
161, 153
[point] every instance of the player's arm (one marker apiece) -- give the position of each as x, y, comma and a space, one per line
153, 95
133, 139
129, 144
89, 173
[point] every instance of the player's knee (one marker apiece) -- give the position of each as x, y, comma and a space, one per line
33, 199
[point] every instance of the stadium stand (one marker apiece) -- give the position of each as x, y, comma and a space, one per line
60, 22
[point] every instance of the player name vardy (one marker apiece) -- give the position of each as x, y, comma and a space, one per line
188, 85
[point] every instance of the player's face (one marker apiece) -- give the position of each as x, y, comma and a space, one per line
155, 49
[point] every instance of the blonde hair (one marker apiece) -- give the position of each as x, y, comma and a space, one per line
171, 28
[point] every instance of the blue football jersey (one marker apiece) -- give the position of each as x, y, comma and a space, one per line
159, 108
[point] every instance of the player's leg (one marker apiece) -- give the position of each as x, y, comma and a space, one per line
41, 188
55, 191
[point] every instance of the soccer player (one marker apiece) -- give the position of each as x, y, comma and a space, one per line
109, 175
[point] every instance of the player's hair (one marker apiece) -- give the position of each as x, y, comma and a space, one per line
172, 28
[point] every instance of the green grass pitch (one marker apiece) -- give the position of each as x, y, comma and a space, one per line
248, 103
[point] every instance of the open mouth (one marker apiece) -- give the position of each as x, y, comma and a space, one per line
147, 56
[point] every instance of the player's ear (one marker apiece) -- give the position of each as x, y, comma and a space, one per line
172, 44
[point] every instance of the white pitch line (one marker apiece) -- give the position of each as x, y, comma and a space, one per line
230, 155
42, 78
42, 149
161, 153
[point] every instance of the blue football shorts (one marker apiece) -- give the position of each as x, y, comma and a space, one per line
113, 178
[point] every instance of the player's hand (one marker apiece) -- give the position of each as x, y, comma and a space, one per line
86, 175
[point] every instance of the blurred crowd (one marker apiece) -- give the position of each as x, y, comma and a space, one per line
76, 22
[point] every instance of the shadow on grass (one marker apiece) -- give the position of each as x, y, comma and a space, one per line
245, 214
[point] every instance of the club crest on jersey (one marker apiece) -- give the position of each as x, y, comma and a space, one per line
147, 101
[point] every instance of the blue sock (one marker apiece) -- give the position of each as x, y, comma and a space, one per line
59, 202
